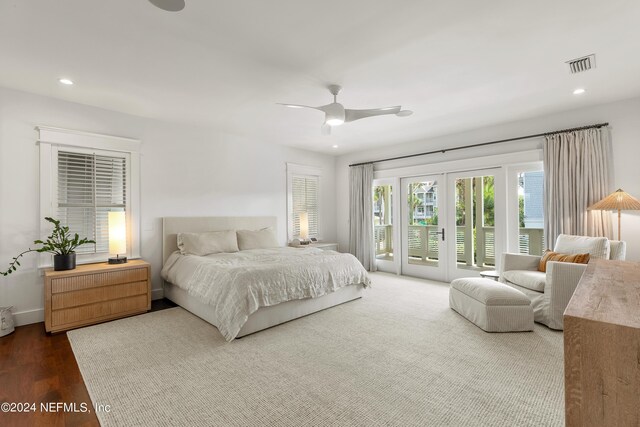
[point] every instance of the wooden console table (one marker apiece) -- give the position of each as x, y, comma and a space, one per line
602, 347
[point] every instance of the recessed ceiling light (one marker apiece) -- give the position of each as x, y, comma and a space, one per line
66, 82
334, 146
579, 91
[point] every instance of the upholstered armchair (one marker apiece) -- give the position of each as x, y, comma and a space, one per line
550, 292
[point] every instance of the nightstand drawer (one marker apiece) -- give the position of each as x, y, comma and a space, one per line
325, 246
87, 281
90, 296
92, 313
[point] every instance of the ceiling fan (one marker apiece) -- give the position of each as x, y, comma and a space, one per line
169, 5
335, 114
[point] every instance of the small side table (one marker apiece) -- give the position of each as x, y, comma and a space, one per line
490, 274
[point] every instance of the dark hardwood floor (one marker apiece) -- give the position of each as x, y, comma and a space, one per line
38, 368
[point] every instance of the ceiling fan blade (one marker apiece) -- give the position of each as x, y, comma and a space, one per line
351, 115
325, 129
299, 106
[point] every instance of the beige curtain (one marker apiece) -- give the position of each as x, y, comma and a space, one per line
577, 173
361, 215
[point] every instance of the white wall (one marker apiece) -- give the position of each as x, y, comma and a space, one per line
186, 171
623, 117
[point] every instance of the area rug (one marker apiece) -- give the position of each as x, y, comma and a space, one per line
398, 356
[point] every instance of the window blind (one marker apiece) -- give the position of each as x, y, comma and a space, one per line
304, 195
89, 186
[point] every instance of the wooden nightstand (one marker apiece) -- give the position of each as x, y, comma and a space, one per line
94, 293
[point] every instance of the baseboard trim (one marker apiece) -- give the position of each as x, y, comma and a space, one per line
28, 317
157, 293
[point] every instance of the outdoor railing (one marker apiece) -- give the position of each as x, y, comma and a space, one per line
383, 237
423, 243
531, 241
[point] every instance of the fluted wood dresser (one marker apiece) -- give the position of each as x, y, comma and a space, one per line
602, 347
94, 293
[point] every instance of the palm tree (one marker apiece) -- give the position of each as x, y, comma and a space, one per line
379, 197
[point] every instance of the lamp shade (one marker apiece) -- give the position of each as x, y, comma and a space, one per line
617, 200
620, 201
117, 233
304, 225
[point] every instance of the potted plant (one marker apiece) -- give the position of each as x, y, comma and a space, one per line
59, 243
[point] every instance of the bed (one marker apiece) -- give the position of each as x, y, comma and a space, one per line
265, 316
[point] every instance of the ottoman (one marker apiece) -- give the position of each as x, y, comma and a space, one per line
490, 305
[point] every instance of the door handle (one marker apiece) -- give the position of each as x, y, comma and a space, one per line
441, 233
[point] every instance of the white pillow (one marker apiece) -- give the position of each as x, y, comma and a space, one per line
212, 242
260, 239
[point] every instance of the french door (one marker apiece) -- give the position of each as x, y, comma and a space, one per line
451, 225
477, 221
423, 210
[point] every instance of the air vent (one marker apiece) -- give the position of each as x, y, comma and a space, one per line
580, 65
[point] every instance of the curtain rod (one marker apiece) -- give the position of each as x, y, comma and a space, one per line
482, 144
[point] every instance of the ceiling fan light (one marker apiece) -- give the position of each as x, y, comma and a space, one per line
335, 122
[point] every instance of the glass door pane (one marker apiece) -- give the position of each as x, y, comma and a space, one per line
530, 212
423, 232
383, 221
475, 223
423, 235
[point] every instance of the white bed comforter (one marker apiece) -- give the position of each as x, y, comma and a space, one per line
237, 284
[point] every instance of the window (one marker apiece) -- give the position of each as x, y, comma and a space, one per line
83, 177
89, 186
530, 212
303, 196
526, 208
383, 205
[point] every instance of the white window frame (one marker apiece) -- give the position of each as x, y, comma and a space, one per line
513, 224
297, 170
50, 141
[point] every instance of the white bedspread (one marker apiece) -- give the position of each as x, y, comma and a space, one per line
237, 284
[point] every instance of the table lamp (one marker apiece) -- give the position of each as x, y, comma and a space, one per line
304, 228
117, 237
618, 200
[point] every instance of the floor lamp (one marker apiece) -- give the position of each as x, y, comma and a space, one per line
618, 200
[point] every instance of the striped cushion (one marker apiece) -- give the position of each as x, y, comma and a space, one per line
618, 250
597, 247
555, 256
533, 280
489, 292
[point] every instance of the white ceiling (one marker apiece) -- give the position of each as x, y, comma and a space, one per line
457, 65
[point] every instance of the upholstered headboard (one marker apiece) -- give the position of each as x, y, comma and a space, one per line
171, 226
